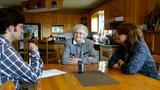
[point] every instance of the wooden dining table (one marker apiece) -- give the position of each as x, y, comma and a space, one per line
69, 81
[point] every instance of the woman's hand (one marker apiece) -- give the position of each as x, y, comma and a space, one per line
116, 66
73, 60
120, 62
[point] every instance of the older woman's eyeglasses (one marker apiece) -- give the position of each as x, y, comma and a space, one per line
80, 33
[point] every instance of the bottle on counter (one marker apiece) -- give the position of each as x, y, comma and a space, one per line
33, 37
50, 38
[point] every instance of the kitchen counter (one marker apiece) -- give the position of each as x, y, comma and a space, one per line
97, 46
56, 42
105, 51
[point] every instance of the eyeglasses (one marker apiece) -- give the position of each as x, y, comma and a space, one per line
80, 33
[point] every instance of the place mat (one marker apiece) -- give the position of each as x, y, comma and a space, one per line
92, 78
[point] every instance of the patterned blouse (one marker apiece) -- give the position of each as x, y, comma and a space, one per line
138, 61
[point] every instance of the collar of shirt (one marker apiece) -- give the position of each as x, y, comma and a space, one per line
74, 42
1, 36
0, 76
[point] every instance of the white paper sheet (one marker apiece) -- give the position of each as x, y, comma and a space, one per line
52, 72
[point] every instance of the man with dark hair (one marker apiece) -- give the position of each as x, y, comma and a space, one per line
12, 66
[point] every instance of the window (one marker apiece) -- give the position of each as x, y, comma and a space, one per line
97, 22
31, 30
94, 24
57, 28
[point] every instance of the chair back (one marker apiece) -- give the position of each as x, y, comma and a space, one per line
47, 51
7, 86
157, 60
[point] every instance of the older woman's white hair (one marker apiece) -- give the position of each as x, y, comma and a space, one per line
82, 27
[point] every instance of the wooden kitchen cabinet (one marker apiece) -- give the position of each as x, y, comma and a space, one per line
152, 40
149, 37
106, 51
47, 19
59, 47
156, 43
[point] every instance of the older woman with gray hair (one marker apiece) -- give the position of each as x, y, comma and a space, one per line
79, 47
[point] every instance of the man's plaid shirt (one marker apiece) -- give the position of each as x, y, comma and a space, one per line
12, 66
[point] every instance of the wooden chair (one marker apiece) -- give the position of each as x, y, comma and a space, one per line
157, 60
7, 86
23, 49
47, 52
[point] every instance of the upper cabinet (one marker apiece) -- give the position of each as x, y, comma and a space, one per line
133, 11
47, 19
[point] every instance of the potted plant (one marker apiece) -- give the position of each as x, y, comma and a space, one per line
153, 18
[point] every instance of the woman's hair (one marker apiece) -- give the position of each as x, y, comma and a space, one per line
82, 27
9, 16
133, 32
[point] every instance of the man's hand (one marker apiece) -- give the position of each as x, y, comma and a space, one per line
32, 46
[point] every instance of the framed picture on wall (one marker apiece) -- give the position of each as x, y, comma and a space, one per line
32, 30
57, 28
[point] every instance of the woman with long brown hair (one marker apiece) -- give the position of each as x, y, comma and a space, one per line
132, 55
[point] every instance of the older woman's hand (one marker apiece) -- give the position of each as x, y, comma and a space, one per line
73, 60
